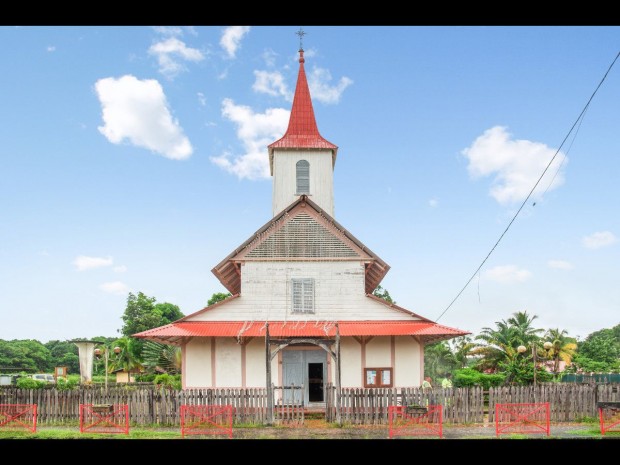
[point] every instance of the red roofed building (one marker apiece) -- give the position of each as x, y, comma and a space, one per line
302, 309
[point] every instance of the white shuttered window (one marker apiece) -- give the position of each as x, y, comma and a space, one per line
303, 177
303, 295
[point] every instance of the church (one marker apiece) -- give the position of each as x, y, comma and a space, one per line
302, 310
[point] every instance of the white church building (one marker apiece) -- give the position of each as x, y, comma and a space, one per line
302, 309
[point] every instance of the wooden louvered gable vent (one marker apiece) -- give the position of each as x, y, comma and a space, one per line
303, 295
302, 237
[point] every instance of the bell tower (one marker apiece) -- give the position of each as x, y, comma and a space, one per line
302, 161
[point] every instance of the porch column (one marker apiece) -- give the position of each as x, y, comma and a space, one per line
337, 403
268, 384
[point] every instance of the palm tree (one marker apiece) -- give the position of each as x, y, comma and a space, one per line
496, 343
501, 342
460, 349
164, 357
125, 359
563, 347
523, 331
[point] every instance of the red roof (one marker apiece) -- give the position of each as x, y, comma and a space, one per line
302, 132
173, 332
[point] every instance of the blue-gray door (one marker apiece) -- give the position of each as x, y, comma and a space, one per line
307, 367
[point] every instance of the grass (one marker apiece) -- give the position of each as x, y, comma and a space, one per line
137, 433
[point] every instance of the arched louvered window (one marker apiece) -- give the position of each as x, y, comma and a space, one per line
303, 177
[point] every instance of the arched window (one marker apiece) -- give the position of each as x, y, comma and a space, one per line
303, 177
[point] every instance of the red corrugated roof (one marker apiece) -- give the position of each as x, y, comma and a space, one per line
302, 130
183, 329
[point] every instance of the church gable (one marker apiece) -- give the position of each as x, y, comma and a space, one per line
302, 234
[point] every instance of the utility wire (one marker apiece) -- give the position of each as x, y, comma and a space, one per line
585, 108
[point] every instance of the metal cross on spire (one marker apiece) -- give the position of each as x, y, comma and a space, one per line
301, 35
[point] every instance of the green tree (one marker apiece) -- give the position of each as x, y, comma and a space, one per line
169, 312
140, 314
461, 350
24, 354
218, 297
600, 352
438, 360
563, 347
383, 294
64, 354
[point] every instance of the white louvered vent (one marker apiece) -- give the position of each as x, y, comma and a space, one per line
302, 237
303, 177
303, 295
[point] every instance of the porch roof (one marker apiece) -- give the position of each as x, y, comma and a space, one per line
178, 332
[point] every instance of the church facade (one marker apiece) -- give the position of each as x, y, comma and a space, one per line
302, 309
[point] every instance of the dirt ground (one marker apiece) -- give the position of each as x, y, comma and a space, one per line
317, 429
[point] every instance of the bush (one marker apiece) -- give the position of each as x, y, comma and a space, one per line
29, 383
168, 381
146, 378
67, 385
468, 377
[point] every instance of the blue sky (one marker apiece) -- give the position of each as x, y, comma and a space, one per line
134, 159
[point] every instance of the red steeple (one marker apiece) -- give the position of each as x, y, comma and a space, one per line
302, 132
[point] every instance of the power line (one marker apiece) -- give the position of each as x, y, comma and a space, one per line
585, 108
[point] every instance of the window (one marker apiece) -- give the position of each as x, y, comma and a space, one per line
303, 177
378, 377
303, 295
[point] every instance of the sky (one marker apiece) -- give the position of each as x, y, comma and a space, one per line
134, 159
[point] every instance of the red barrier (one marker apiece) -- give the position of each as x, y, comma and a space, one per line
409, 421
522, 418
19, 416
104, 418
207, 419
609, 415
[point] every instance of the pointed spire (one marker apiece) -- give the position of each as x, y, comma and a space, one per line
302, 132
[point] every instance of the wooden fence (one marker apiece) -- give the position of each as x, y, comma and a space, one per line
370, 406
568, 402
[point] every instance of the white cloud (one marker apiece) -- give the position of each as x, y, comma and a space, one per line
256, 131
137, 111
433, 202
271, 83
202, 99
320, 89
507, 274
269, 56
598, 239
119, 269
169, 54
516, 165
231, 39
560, 265
168, 30
114, 287
51, 48
82, 262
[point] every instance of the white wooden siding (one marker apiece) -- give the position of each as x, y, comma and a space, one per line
227, 362
198, 362
407, 370
379, 352
255, 364
266, 294
350, 363
285, 178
